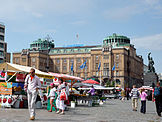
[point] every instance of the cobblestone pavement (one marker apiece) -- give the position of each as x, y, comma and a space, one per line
111, 111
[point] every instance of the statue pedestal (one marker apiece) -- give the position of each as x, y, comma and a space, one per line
150, 78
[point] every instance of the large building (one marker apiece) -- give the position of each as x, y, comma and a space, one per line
114, 60
4, 56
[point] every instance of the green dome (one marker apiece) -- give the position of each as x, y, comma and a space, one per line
116, 39
41, 44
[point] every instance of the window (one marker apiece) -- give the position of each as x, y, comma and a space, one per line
64, 60
78, 67
78, 74
17, 60
71, 60
96, 57
1, 30
57, 61
96, 73
106, 72
117, 56
23, 59
72, 50
1, 53
1, 45
64, 68
65, 51
58, 68
117, 65
1, 37
106, 65
33, 60
96, 66
78, 60
106, 56
117, 73
33, 66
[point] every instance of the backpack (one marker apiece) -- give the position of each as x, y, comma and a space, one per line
156, 91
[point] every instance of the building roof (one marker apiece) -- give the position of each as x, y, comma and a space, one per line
67, 50
116, 36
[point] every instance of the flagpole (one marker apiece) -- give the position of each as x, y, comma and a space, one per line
100, 77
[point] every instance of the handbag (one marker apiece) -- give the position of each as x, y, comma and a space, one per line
63, 96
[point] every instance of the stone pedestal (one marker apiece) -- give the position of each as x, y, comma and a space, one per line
150, 78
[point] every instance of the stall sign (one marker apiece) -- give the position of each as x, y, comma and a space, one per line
3, 75
5, 88
20, 77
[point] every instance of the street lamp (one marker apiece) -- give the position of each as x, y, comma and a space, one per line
47, 67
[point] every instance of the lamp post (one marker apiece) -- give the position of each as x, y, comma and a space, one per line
47, 67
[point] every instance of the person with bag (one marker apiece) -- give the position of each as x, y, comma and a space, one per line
52, 96
134, 95
63, 97
32, 84
143, 96
156, 95
60, 103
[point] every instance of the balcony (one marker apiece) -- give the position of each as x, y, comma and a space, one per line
1, 49
1, 41
1, 57
2, 33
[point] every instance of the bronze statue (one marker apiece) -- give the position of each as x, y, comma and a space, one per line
151, 63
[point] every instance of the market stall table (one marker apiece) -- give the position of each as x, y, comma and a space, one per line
84, 99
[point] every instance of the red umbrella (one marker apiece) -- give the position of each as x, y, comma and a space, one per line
90, 81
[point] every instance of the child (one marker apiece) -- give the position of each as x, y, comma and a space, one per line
52, 96
143, 96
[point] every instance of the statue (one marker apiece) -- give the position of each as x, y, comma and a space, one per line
151, 63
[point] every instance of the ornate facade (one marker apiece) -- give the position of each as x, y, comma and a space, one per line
114, 60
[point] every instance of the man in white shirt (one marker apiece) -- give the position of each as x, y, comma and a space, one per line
32, 84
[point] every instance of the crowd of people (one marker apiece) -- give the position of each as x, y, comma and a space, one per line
156, 97
61, 93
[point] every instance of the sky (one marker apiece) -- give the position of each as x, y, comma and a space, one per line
91, 20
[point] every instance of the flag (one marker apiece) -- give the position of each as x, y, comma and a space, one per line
99, 66
113, 68
72, 67
83, 65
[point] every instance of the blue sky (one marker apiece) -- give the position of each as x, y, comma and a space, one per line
92, 20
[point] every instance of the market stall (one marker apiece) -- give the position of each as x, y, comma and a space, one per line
12, 77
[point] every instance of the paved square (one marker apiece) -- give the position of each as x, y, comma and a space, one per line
111, 111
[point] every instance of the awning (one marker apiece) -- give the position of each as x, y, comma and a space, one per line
66, 77
20, 68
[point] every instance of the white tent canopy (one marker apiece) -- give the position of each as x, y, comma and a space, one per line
20, 68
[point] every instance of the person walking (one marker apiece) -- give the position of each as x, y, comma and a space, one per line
59, 101
91, 91
143, 96
52, 96
157, 96
127, 94
134, 95
123, 95
32, 84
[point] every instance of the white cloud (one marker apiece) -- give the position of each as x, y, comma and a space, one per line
38, 8
153, 42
